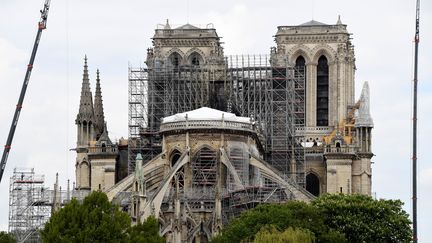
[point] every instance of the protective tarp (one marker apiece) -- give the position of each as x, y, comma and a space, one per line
205, 113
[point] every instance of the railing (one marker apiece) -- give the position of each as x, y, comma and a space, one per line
103, 150
205, 124
314, 129
180, 31
297, 27
349, 150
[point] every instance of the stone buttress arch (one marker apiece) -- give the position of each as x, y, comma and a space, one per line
190, 52
174, 50
323, 50
299, 50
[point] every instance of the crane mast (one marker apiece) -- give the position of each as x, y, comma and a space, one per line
414, 122
41, 26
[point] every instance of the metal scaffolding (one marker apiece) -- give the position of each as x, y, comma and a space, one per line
31, 203
273, 96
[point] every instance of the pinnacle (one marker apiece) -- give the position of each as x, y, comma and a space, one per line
339, 20
86, 102
98, 107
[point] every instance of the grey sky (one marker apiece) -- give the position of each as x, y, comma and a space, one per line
115, 33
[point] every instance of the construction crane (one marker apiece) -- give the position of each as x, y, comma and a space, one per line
41, 27
414, 123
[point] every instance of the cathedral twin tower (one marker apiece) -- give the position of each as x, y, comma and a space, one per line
96, 154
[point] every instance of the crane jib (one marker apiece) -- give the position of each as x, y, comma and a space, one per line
41, 26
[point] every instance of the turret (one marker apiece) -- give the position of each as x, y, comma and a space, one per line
362, 171
364, 122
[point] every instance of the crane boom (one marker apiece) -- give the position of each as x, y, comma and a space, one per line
41, 27
414, 123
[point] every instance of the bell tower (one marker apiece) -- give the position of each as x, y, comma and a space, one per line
85, 132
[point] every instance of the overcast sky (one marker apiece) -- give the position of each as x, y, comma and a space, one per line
115, 34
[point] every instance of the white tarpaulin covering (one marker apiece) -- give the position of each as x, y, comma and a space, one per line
205, 113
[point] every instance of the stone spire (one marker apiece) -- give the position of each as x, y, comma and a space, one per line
86, 112
167, 25
364, 118
339, 22
98, 109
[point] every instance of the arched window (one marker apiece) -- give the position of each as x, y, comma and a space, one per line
300, 74
195, 59
322, 92
175, 156
204, 168
313, 184
175, 60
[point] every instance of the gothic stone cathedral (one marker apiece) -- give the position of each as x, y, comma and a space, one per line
212, 135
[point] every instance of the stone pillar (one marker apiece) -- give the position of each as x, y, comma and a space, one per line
311, 95
78, 135
81, 134
343, 82
333, 120
92, 133
87, 134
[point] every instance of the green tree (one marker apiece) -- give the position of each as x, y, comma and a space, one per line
95, 220
6, 237
281, 216
290, 235
363, 219
146, 232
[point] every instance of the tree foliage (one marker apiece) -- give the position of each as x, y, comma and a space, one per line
146, 232
290, 235
281, 216
6, 237
95, 220
363, 219
330, 218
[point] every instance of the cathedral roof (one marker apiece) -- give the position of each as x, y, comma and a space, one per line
312, 23
187, 27
205, 113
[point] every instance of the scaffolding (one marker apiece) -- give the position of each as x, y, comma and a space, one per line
31, 203
247, 85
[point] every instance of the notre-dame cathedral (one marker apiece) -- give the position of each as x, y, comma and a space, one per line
212, 135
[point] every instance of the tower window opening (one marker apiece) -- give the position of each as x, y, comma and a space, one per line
175, 60
322, 92
195, 61
300, 87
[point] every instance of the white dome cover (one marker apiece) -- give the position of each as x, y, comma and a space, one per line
205, 113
